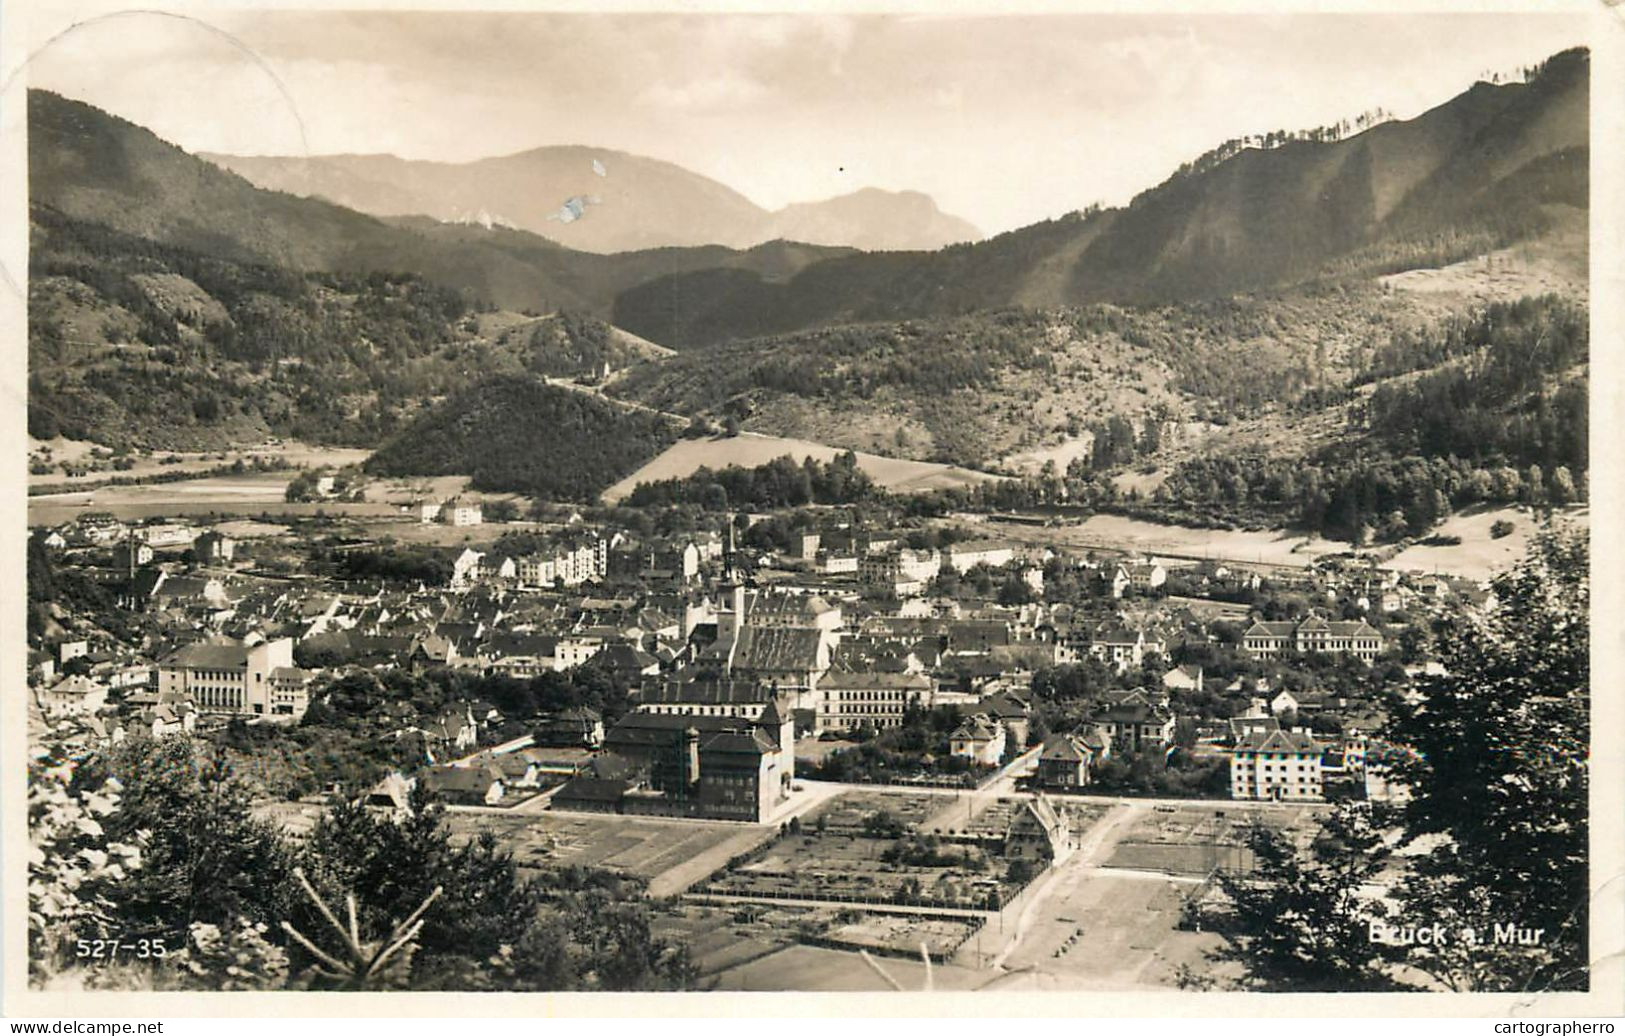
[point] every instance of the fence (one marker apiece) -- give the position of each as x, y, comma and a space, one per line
973, 925
916, 904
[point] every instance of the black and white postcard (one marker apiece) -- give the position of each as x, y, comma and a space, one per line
1072, 504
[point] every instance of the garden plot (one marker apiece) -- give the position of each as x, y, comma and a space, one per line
1197, 841
639, 848
903, 934
720, 938
850, 869
847, 812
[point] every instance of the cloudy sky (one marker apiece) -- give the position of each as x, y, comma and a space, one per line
1005, 120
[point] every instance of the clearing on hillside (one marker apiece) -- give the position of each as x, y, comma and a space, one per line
749, 450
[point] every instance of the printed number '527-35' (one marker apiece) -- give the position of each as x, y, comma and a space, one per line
99, 949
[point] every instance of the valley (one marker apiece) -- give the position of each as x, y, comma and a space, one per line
602, 580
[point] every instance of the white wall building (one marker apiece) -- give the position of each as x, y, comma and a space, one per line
232, 677
1277, 766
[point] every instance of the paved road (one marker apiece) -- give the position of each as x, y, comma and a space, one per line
1096, 846
968, 803
679, 879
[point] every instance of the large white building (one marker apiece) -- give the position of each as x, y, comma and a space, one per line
1276, 765
1267, 640
903, 572
966, 556
571, 565
847, 700
233, 678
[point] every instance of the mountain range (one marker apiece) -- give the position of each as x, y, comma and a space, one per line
1494, 165
598, 200
88, 165
173, 301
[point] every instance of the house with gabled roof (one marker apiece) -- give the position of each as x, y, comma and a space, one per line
626, 660
571, 728
1121, 647
482, 785
1268, 639
1183, 678
1009, 709
452, 730
978, 739
1138, 726
72, 696
1038, 833
1068, 761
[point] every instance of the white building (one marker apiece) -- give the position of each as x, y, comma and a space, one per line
462, 512
1276, 765
847, 700
1268, 640
834, 564
978, 739
966, 556
166, 535
225, 677
290, 690
571, 565
903, 572
73, 696
466, 569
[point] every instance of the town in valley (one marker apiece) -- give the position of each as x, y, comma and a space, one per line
592, 579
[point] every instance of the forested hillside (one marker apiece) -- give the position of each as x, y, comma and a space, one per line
517, 433
574, 346
1495, 165
1503, 420
972, 389
132, 342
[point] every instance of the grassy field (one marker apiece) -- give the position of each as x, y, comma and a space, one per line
1478, 556
748, 450
1554, 263
248, 495
255, 493
627, 845
60, 451
1277, 547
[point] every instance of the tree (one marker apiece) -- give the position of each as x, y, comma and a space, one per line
1014, 590
500, 510
393, 867
205, 858
1300, 922
1494, 833
1563, 490
1499, 770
